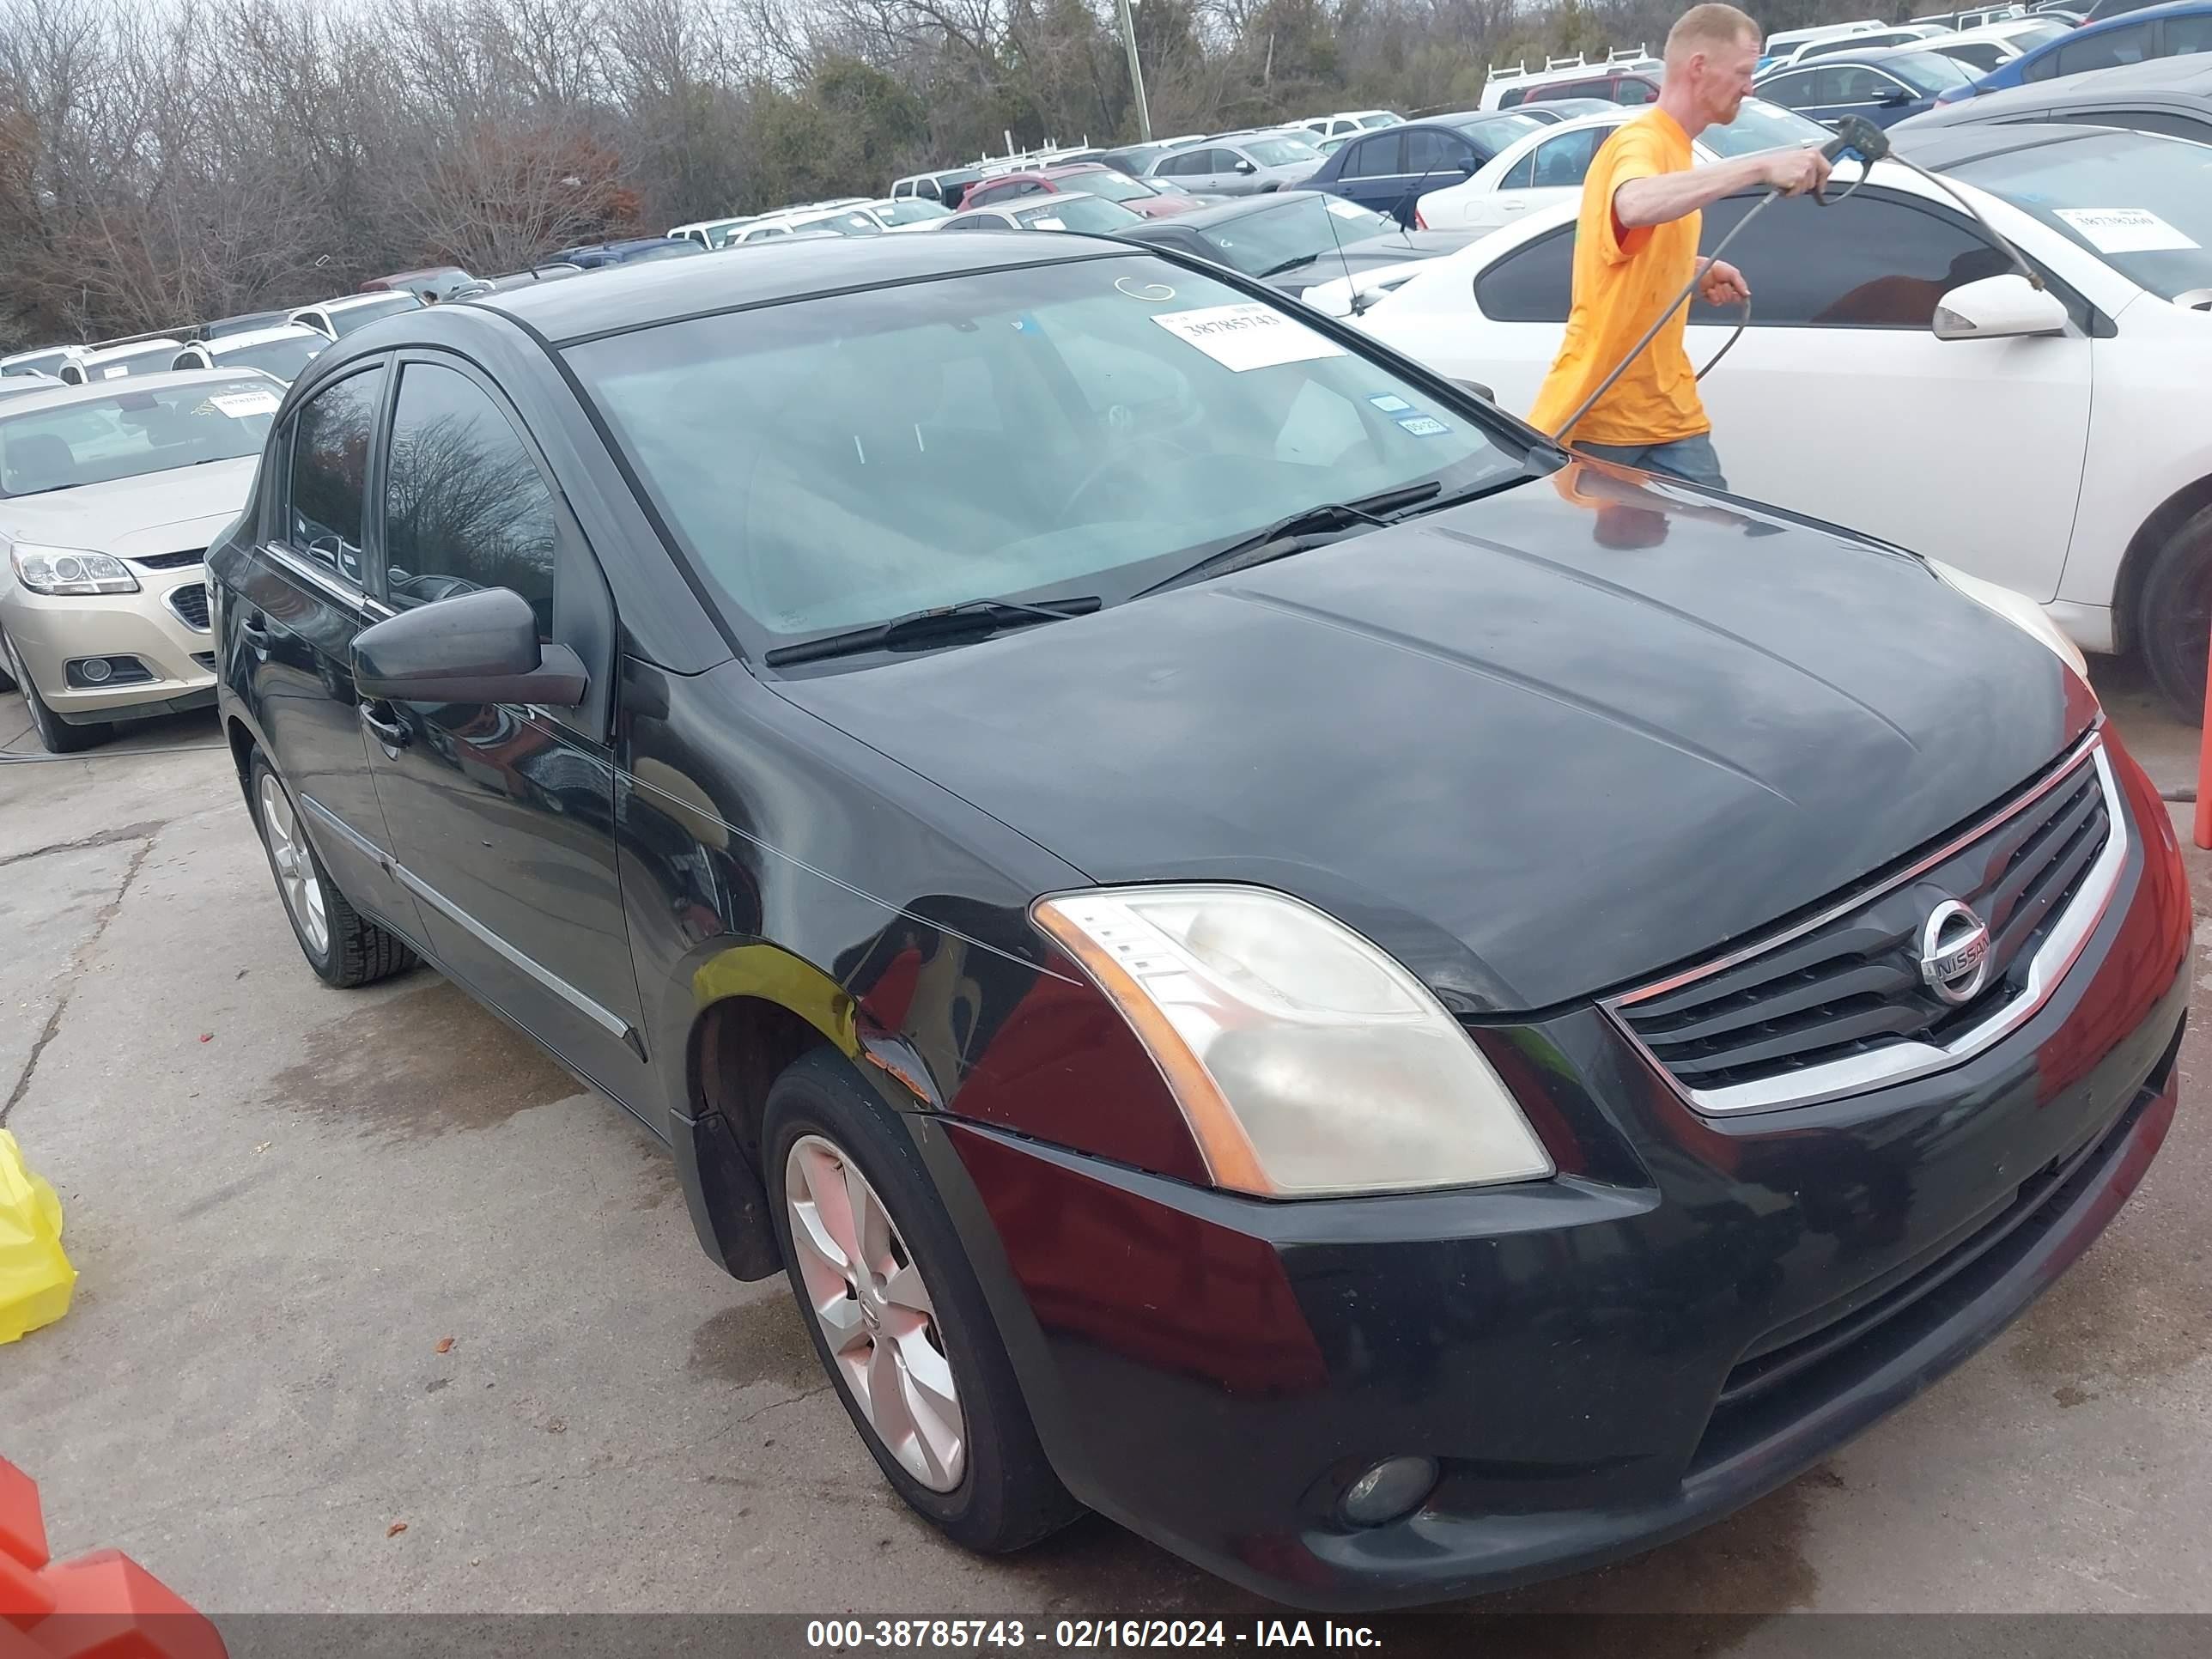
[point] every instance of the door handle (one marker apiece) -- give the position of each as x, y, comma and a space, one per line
251, 627
390, 733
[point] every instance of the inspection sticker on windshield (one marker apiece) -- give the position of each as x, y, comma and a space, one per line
2124, 230
240, 404
1423, 426
1251, 335
1390, 405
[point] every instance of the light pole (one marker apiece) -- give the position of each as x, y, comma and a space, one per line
1136, 71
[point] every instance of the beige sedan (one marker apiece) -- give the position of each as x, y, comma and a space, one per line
109, 495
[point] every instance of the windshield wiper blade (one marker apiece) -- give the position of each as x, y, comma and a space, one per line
1298, 264
1437, 503
970, 616
1308, 528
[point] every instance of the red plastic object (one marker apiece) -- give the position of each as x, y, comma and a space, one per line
99, 1605
2203, 836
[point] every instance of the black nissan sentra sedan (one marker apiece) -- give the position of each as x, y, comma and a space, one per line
1395, 1011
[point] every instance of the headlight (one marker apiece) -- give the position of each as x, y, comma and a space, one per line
2017, 609
70, 570
1306, 1060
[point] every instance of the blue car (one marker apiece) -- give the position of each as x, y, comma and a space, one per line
1389, 170
1884, 86
2134, 37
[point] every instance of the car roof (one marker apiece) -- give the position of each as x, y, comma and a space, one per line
1940, 147
2189, 73
103, 353
60, 396
348, 301
263, 335
637, 296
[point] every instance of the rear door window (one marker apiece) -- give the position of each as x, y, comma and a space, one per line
1532, 284
329, 482
1377, 157
2128, 45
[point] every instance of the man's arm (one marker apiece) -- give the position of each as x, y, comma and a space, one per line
1663, 197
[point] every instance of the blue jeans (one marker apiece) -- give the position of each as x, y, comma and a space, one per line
1691, 459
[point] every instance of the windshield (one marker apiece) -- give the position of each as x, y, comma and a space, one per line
283, 358
1079, 427
2139, 201
1281, 152
133, 433
1084, 213
1298, 231
113, 365
1926, 72
1761, 125
910, 210
2031, 36
845, 224
346, 319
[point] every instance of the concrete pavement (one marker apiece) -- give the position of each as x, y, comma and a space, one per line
283, 1198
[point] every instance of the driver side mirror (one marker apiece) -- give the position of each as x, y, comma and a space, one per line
1998, 308
1895, 98
1476, 389
474, 647
1243, 165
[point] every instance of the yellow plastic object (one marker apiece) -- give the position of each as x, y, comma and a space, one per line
35, 1277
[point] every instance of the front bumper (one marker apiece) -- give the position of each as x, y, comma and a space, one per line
1693, 1311
50, 632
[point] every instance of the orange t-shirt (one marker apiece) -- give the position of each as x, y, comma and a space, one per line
1622, 279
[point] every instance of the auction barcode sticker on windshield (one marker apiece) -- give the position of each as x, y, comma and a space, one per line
240, 404
2125, 230
1250, 335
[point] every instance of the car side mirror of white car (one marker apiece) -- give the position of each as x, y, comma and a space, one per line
1998, 308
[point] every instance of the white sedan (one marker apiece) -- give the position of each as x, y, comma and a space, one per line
1888, 383
282, 351
1542, 168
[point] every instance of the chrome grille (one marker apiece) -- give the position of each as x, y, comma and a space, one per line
1842, 1004
170, 561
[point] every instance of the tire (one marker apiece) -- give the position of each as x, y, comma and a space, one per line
2173, 617
55, 735
1003, 1495
352, 951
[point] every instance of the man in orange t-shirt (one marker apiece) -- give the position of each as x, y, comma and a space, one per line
1636, 246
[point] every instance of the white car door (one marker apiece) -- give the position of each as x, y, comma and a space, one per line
1539, 170
1839, 401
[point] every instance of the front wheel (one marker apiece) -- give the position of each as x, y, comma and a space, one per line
2173, 622
55, 735
344, 948
897, 1318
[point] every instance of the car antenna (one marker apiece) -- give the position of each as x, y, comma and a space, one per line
1344, 259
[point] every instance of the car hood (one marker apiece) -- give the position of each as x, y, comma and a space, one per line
1375, 253
1536, 749
158, 513
1163, 207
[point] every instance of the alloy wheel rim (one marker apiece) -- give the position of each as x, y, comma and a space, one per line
878, 1316
295, 875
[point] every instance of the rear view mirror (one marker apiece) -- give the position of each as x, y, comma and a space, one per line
1998, 308
474, 647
